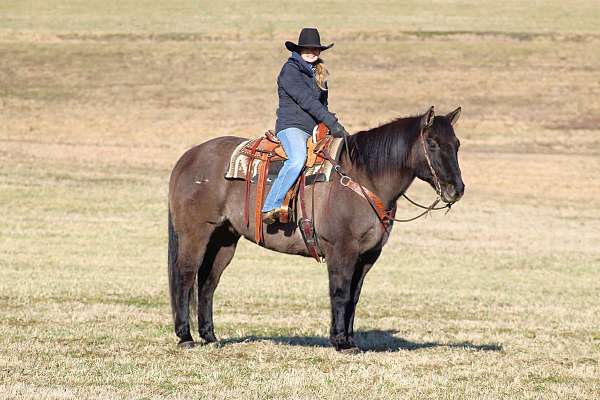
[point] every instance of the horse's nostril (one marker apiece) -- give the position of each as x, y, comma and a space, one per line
453, 192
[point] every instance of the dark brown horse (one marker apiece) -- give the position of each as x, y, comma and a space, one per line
206, 215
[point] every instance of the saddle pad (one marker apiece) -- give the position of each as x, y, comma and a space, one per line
317, 173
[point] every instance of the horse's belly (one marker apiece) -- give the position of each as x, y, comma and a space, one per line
293, 244
277, 237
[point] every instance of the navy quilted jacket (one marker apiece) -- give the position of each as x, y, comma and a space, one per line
302, 104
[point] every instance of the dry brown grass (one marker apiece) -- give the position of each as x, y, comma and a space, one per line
499, 299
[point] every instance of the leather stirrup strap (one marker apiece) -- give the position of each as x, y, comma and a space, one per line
306, 224
301, 194
260, 193
248, 182
289, 203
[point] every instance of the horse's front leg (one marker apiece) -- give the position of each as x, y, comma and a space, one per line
363, 265
341, 267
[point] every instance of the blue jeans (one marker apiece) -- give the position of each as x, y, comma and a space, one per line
293, 141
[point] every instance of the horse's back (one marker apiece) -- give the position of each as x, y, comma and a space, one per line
199, 174
206, 157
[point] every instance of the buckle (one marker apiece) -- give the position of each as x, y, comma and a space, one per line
346, 182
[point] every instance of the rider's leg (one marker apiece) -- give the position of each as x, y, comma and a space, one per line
293, 141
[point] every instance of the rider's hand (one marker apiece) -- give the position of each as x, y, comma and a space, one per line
338, 131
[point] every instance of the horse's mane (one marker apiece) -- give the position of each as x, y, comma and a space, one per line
386, 148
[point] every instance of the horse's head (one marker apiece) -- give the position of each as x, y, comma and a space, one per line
437, 160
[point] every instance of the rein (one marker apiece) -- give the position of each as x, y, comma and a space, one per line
386, 217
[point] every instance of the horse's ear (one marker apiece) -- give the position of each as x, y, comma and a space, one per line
453, 116
427, 118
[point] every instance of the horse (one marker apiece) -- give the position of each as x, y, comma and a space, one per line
205, 218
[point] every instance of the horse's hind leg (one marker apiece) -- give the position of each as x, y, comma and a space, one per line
186, 251
219, 253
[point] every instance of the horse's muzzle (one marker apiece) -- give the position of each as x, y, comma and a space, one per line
453, 193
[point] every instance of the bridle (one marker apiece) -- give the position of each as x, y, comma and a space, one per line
436, 180
387, 217
438, 189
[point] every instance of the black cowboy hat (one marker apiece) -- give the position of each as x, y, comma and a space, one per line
309, 37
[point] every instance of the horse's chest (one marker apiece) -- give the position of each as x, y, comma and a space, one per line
373, 237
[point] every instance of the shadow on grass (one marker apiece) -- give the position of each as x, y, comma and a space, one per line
375, 341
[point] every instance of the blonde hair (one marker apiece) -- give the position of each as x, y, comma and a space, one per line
321, 74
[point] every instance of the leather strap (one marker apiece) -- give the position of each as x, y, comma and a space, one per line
248, 179
260, 193
371, 197
311, 156
301, 194
374, 200
289, 203
272, 137
306, 225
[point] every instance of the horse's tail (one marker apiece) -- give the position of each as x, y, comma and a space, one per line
172, 260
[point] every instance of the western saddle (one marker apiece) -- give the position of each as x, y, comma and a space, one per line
267, 149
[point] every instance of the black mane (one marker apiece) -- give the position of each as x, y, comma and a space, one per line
386, 148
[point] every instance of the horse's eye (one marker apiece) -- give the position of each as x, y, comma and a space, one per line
433, 145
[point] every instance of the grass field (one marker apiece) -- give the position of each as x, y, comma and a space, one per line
497, 299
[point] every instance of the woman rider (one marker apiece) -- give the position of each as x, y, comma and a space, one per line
302, 90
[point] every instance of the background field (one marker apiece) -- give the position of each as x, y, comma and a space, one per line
498, 299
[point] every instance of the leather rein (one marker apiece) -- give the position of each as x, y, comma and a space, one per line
386, 217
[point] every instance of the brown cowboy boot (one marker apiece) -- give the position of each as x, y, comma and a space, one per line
270, 217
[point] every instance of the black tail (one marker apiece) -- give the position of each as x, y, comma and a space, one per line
172, 260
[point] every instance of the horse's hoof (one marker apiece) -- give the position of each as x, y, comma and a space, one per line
189, 344
211, 341
344, 344
209, 338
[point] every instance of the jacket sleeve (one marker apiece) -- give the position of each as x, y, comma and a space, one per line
326, 97
292, 83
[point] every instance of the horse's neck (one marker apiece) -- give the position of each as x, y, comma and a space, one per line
388, 187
